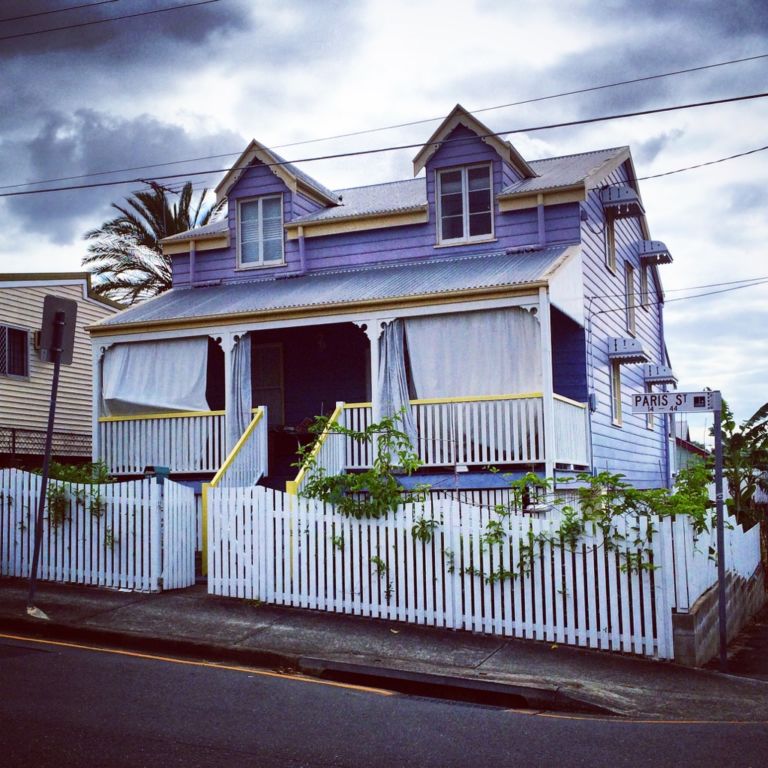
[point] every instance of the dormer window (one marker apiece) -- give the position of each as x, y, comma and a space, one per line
260, 232
464, 204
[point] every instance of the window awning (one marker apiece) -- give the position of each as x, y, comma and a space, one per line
659, 374
621, 201
653, 252
627, 351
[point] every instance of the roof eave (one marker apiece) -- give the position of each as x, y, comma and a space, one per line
319, 310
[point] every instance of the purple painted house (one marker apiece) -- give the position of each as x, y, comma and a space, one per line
511, 306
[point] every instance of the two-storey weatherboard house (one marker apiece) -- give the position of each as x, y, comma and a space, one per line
510, 306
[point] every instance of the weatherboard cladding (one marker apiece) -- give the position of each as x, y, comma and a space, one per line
434, 277
632, 449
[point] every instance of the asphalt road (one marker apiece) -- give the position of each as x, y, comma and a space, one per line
68, 706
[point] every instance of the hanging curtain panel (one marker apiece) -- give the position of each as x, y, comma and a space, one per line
155, 377
240, 396
492, 352
392, 382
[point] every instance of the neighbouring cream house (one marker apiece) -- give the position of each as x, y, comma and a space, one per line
25, 380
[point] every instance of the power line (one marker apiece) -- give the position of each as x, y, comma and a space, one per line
58, 10
702, 165
379, 150
105, 21
679, 298
578, 91
399, 125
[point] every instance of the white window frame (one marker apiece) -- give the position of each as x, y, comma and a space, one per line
644, 294
466, 238
616, 409
4, 328
610, 243
630, 298
649, 421
260, 264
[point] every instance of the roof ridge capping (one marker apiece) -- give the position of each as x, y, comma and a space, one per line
292, 176
460, 116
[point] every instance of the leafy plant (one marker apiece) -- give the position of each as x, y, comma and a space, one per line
379, 565
60, 490
423, 529
372, 493
57, 500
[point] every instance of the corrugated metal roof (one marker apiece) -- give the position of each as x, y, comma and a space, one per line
348, 286
563, 171
411, 194
391, 197
209, 230
303, 177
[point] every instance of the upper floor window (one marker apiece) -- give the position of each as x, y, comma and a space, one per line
629, 292
465, 204
610, 243
260, 231
616, 409
645, 298
14, 351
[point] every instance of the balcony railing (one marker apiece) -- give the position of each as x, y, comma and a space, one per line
484, 431
183, 442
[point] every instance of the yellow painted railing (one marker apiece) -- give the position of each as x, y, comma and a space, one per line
293, 486
170, 415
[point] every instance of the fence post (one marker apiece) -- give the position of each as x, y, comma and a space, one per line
204, 527
156, 535
664, 582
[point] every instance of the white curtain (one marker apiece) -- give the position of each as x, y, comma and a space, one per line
155, 377
239, 398
492, 352
391, 381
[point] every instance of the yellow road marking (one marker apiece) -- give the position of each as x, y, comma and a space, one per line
633, 721
192, 663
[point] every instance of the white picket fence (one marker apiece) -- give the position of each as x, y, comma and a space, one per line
293, 551
129, 535
692, 561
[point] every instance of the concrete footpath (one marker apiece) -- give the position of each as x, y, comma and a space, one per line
403, 657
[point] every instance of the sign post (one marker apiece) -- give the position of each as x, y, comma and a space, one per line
700, 402
57, 340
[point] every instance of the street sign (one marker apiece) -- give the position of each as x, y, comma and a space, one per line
62, 337
676, 402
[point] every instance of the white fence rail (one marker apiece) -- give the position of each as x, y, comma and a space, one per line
691, 559
571, 432
184, 442
121, 535
293, 551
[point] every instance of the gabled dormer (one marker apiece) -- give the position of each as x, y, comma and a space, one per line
264, 193
467, 165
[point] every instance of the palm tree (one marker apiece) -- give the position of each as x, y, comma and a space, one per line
125, 253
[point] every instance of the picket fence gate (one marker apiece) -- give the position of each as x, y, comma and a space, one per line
288, 550
132, 535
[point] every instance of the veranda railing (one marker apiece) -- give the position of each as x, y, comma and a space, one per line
192, 441
328, 453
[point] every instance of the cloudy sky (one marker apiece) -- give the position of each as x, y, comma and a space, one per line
203, 79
